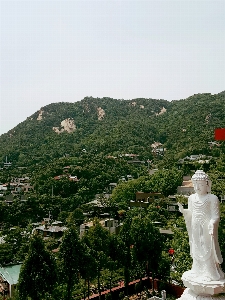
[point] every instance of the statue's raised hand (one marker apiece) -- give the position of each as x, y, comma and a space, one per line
181, 209
211, 227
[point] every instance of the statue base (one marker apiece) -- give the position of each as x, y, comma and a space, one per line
188, 294
202, 287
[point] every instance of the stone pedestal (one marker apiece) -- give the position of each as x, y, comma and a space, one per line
200, 289
188, 294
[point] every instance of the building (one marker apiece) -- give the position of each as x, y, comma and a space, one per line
55, 230
68, 176
150, 197
187, 187
111, 187
3, 187
111, 225
9, 276
17, 186
145, 199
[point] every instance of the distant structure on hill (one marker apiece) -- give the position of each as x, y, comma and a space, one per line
187, 186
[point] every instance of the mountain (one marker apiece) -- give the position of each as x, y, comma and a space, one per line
110, 127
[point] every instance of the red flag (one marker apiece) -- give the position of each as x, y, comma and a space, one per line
219, 134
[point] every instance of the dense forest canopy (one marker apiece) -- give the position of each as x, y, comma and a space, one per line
105, 126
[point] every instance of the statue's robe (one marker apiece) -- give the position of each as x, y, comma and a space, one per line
204, 247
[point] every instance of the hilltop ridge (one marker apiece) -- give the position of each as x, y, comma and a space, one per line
110, 126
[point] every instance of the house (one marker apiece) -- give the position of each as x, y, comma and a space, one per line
149, 197
3, 187
172, 205
136, 162
111, 187
110, 224
156, 145
9, 276
7, 165
73, 178
157, 148
144, 199
140, 203
17, 185
9, 199
212, 144
70, 177
187, 186
125, 178
158, 151
55, 230
195, 157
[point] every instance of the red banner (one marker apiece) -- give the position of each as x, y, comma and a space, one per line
219, 134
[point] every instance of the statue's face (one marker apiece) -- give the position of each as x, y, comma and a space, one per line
200, 187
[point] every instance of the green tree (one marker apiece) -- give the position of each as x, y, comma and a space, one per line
75, 217
221, 232
88, 265
69, 255
180, 243
147, 244
115, 250
38, 274
125, 255
164, 181
97, 239
6, 254
125, 191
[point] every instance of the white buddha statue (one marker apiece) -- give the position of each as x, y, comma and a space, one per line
202, 219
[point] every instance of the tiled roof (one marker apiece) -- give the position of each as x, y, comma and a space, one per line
10, 273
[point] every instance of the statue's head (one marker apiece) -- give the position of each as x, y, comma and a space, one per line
201, 182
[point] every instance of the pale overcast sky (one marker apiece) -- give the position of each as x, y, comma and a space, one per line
55, 51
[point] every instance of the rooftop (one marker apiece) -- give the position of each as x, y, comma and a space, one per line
10, 273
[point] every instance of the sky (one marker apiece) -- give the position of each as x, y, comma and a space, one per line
62, 51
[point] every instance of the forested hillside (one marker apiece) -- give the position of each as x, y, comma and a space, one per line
110, 127
102, 149
98, 125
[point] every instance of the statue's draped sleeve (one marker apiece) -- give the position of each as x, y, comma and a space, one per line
215, 218
187, 213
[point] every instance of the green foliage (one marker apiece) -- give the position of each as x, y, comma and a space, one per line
38, 273
15, 246
128, 126
221, 232
75, 217
218, 179
69, 255
97, 239
125, 192
88, 265
147, 243
164, 265
180, 243
6, 254
164, 181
